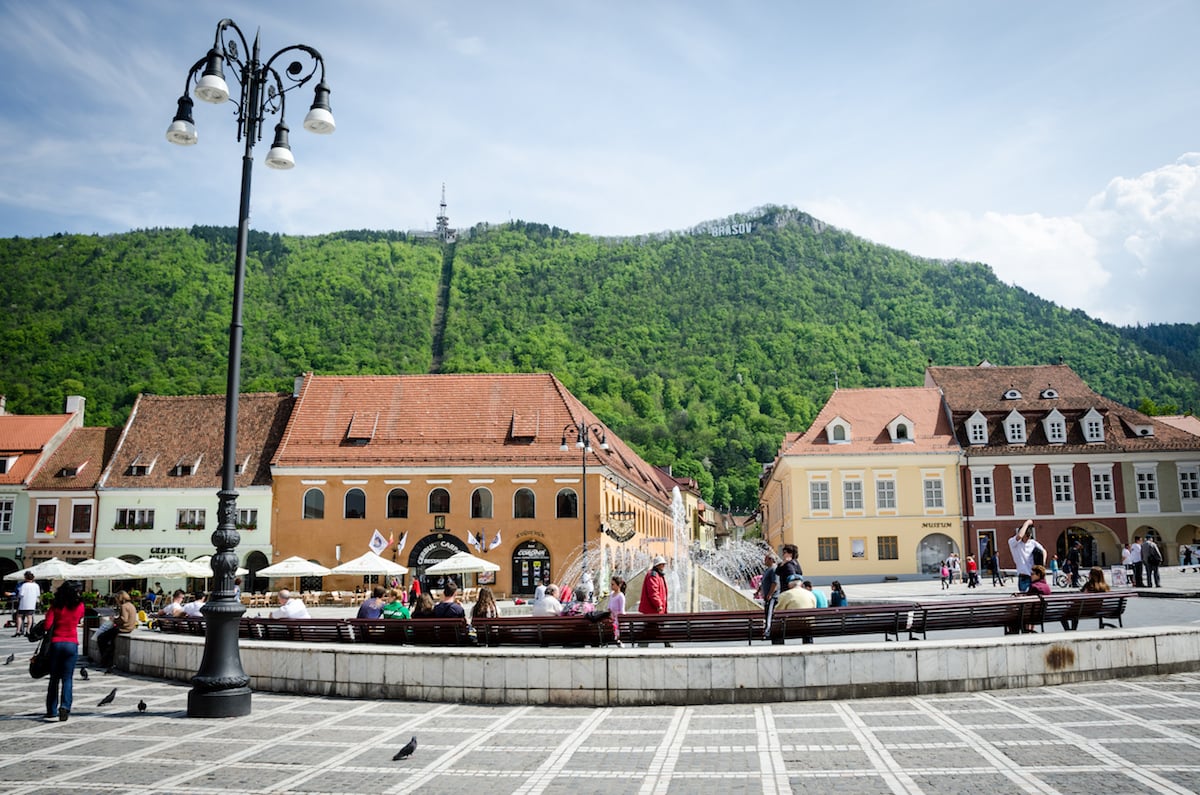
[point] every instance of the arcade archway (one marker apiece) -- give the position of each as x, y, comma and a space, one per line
933, 549
1099, 545
432, 549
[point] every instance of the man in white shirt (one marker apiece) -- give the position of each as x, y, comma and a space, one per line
1022, 546
28, 595
192, 608
549, 604
1135, 560
289, 606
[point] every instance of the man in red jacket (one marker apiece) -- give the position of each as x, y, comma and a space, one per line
654, 588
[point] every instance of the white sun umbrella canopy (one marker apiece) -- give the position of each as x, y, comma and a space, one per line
107, 569
462, 563
53, 569
203, 568
370, 563
294, 567
172, 567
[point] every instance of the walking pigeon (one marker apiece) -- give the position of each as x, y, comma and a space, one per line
141, 705
109, 698
84, 673
11, 657
406, 751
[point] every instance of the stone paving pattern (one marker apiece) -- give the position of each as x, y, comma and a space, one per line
1130, 736
1111, 737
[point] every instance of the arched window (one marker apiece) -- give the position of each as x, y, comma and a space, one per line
397, 504
566, 504
481, 504
901, 431
839, 433
523, 504
314, 504
439, 501
356, 504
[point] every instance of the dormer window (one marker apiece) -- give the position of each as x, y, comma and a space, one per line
141, 466
1093, 426
838, 431
977, 429
6, 463
70, 471
240, 467
185, 467
1055, 426
1012, 394
1014, 427
362, 428
1049, 393
901, 430
1142, 430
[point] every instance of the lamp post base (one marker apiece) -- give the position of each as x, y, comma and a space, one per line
233, 703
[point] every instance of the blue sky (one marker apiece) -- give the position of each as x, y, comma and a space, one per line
1058, 142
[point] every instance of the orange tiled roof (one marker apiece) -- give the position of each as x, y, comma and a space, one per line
868, 412
982, 389
1184, 422
506, 419
25, 436
79, 461
166, 431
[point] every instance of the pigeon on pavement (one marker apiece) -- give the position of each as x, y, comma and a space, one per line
406, 751
84, 673
141, 705
11, 657
109, 698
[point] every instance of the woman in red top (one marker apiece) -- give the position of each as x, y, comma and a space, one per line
62, 625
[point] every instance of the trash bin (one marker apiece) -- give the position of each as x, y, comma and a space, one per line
93, 618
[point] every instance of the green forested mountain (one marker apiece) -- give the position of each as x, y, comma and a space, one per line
699, 350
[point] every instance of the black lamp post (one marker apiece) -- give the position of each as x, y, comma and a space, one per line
220, 689
583, 433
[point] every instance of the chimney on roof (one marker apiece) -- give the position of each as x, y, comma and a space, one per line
3, 403
75, 404
299, 382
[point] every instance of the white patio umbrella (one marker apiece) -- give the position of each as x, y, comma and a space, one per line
295, 567
107, 569
370, 563
172, 567
462, 563
53, 569
203, 568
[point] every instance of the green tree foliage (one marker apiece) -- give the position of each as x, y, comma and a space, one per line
700, 351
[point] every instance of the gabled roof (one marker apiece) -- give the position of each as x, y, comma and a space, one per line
452, 420
78, 462
868, 412
26, 437
165, 431
982, 388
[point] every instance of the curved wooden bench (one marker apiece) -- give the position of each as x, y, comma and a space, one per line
1073, 607
543, 631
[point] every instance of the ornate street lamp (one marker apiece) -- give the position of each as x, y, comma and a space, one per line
220, 689
583, 433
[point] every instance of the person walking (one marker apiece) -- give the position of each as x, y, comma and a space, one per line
945, 574
1025, 550
654, 588
29, 593
62, 625
997, 572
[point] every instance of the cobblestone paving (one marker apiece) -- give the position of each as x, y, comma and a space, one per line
1128, 736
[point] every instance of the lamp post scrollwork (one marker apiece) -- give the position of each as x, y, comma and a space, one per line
221, 687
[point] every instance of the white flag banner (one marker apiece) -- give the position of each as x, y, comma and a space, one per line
495, 541
475, 540
378, 543
403, 543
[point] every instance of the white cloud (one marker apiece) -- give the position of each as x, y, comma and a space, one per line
1129, 255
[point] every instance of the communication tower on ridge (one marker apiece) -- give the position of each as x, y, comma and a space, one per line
444, 232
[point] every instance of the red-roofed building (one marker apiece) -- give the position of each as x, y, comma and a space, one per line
438, 462
870, 490
1040, 444
26, 441
64, 498
158, 494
